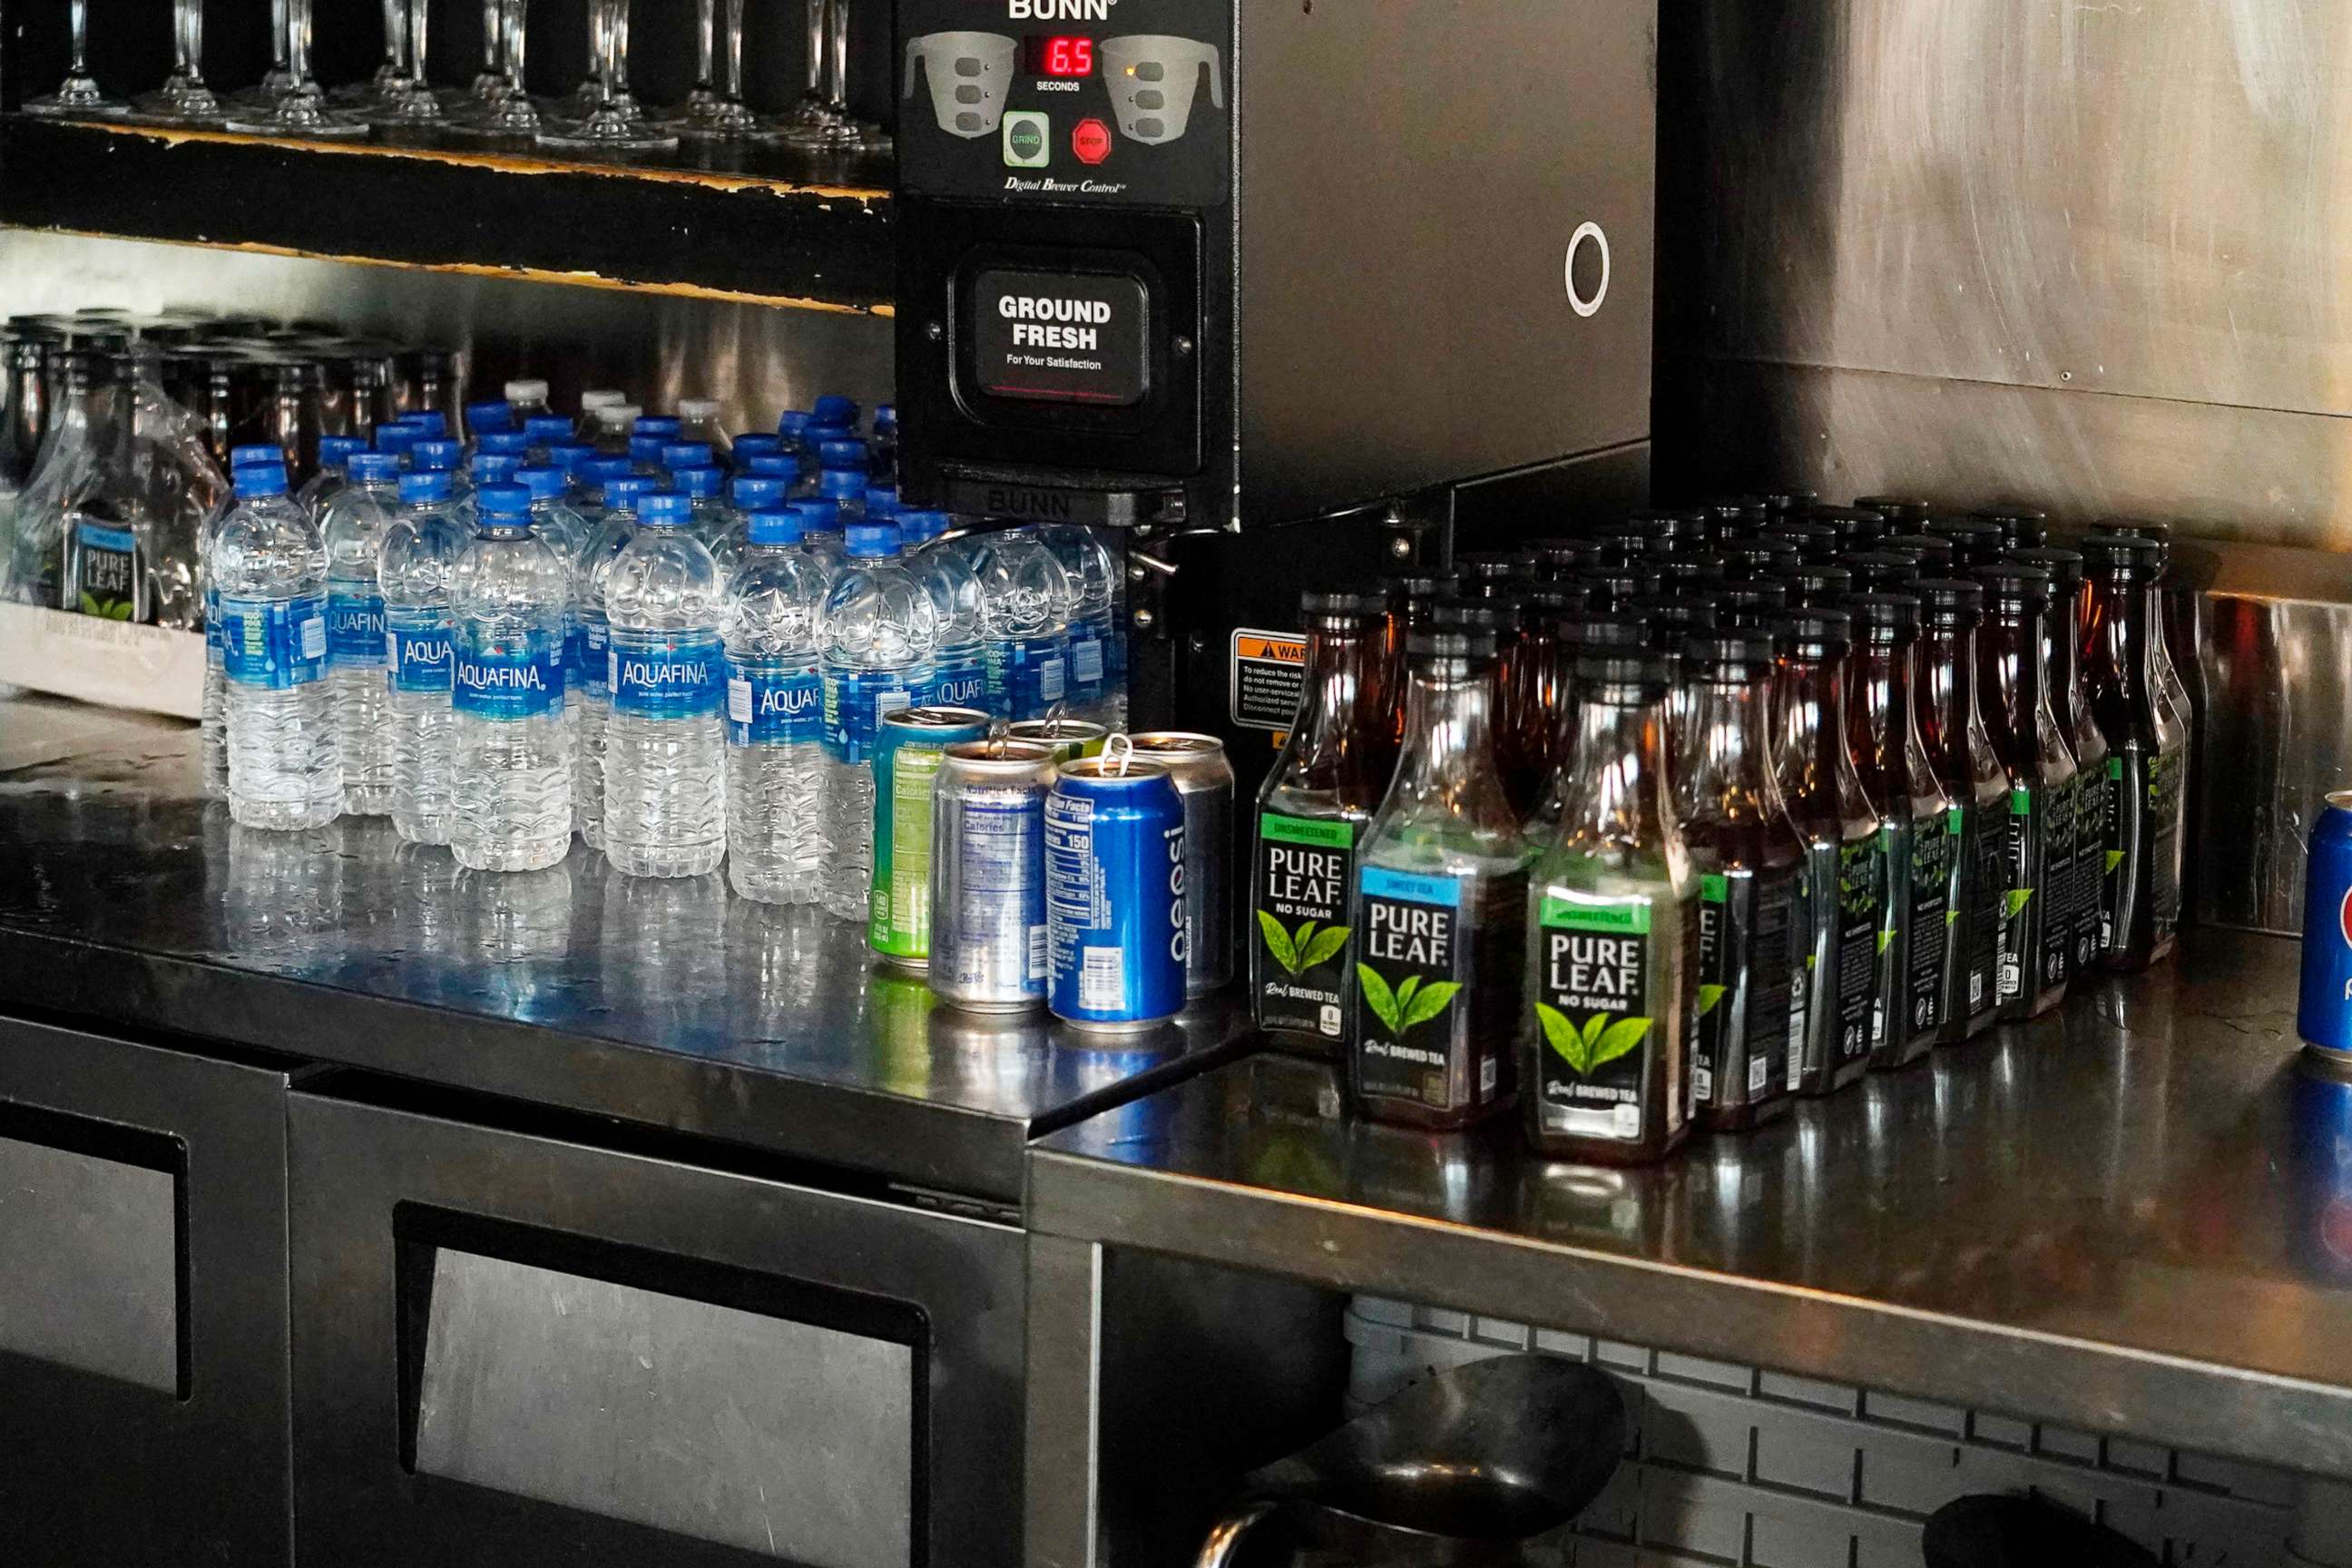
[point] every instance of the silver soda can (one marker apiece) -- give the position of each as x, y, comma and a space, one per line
1205, 781
988, 875
1070, 738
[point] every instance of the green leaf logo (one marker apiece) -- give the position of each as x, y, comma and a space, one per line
1302, 950
1561, 1035
2017, 899
1427, 1004
1323, 949
1885, 939
1708, 996
1600, 1040
1277, 941
1620, 1037
122, 611
2115, 858
1377, 995
89, 606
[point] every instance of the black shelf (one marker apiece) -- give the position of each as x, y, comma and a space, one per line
767, 227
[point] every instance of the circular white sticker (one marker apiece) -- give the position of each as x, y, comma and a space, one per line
1576, 300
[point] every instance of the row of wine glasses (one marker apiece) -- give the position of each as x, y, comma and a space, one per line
603, 114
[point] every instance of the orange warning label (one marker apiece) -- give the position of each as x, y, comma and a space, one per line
1268, 676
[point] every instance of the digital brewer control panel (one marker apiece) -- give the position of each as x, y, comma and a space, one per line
1064, 175
1066, 101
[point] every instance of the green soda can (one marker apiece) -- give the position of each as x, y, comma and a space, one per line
907, 747
1070, 738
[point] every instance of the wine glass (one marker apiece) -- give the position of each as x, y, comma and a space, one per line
183, 98
714, 115
419, 105
617, 123
79, 96
300, 106
510, 112
822, 123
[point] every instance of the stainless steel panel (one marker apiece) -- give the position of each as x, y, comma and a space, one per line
93, 1279
756, 360
781, 1438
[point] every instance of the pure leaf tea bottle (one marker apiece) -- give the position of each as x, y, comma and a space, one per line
1440, 911
1952, 725
1412, 602
2140, 900
2088, 747
1323, 789
2037, 947
1751, 866
1578, 634
1612, 960
1922, 862
1845, 857
1537, 700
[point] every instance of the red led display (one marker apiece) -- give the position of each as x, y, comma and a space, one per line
1058, 55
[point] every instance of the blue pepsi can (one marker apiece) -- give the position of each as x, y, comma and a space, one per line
2324, 1018
1114, 893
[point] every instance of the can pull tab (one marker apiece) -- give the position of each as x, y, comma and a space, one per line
1119, 748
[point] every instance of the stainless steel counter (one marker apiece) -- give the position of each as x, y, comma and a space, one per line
2135, 1215
128, 899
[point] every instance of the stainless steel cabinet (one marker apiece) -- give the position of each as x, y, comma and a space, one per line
143, 1305
521, 1347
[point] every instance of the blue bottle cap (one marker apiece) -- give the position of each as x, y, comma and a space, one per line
605, 471
256, 457
847, 453
484, 418
646, 450
842, 484
773, 525
665, 508
504, 442
759, 492
260, 479
814, 439
437, 453
545, 428
922, 527
542, 484
374, 468
752, 444
623, 493
791, 422
567, 456
868, 541
662, 424
509, 503
881, 501
496, 468
819, 515
335, 451
697, 481
396, 439
428, 422
425, 485
834, 409
685, 455
886, 416
775, 464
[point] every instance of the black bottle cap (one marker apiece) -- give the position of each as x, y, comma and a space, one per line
1614, 588
1812, 634
1885, 618
1784, 503
1469, 645
1816, 584
1494, 616
1949, 601
1671, 531
1814, 542
2012, 587
1895, 509
2021, 527
1858, 527
1875, 569
2129, 553
1625, 542
1333, 605
1722, 656
1760, 554
1933, 551
1547, 601
1559, 557
1603, 631
1750, 604
1641, 666
2147, 528
1493, 564
1691, 571
1417, 589
2064, 566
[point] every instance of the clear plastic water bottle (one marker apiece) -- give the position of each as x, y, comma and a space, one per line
1093, 576
335, 453
775, 717
884, 446
420, 552
697, 420
959, 658
527, 401
354, 524
676, 455
508, 608
613, 423
566, 457
590, 480
511, 443
1024, 598
440, 454
841, 478
271, 565
649, 434
712, 515
397, 441
544, 432
665, 792
563, 531
879, 631
592, 405
495, 469
750, 493
821, 533
213, 714
592, 695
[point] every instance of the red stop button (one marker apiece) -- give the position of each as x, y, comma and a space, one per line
1090, 139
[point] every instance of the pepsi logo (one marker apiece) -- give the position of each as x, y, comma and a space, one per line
2344, 918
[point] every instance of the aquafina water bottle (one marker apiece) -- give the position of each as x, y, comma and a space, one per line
507, 611
609, 534
1024, 602
665, 800
354, 523
879, 632
272, 572
1097, 676
420, 552
775, 716
959, 658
